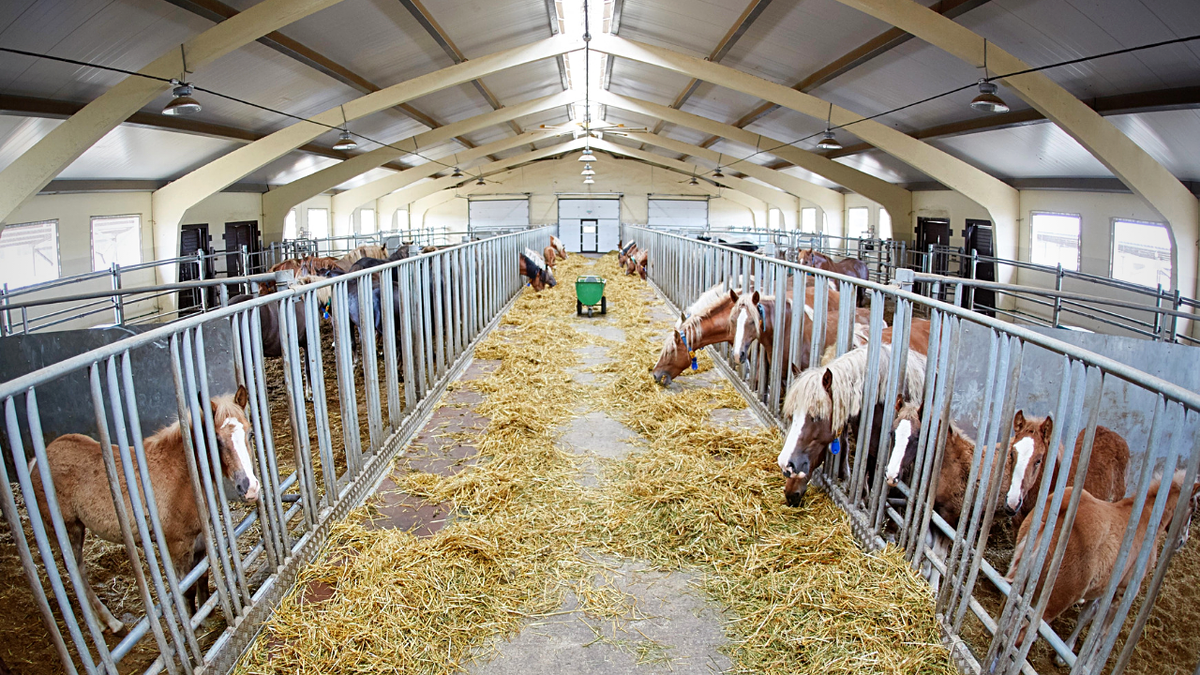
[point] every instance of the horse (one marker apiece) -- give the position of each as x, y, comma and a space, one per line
851, 267
705, 322
532, 265
365, 251
86, 501
558, 247
1092, 546
636, 263
821, 401
753, 315
550, 254
301, 267
269, 322
918, 335
1031, 438
624, 253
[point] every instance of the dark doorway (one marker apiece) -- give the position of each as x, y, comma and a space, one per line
194, 238
935, 232
239, 234
978, 235
589, 236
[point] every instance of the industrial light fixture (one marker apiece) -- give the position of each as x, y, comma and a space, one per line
693, 181
829, 142
457, 172
587, 170
718, 173
480, 181
588, 181
181, 102
987, 101
344, 141
587, 155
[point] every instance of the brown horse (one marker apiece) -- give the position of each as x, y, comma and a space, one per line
558, 247
918, 335
637, 263
82, 488
705, 322
624, 254
851, 267
820, 403
550, 254
532, 266
1092, 547
753, 317
1027, 451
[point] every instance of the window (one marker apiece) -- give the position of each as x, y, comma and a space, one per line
1054, 240
1141, 253
401, 220
808, 219
318, 223
774, 219
29, 253
116, 239
289, 225
885, 224
366, 221
858, 225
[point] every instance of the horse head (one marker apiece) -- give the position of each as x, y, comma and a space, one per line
548, 277
229, 419
809, 434
906, 429
676, 355
747, 317
1026, 452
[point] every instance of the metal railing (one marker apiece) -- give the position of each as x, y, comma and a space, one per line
432, 310
976, 366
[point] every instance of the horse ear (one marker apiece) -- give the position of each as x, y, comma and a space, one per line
827, 381
733, 295
796, 370
1019, 419
1047, 428
682, 316
899, 403
755, 298
242, 397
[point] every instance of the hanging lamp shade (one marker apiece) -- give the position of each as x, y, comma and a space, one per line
588, 180
718, 173
693, 181
829, 142
345, 142
457, 172
987, 101
587, 156
182, 102
587, 170
480, 181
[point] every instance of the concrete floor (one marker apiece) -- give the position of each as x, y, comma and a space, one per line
670, 627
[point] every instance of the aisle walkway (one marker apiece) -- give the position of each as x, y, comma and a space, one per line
561, 513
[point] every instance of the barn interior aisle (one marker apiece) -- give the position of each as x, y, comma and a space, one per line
560, 510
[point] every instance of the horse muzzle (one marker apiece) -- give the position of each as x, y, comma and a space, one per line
794, 489
247, 486
663, 378
1010, 509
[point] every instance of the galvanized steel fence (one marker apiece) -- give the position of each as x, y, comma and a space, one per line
431, 310
1073, 384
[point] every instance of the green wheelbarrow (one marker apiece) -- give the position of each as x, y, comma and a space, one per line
589, 292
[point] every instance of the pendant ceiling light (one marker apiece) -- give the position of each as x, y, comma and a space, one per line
457, 172
588, 181
181, 102
829, 141
480, 181
987, 101
587, 170
587, 155
345, 142
693, 181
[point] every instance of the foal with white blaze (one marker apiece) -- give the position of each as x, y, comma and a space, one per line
80, 482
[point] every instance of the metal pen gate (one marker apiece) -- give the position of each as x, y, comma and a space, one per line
433, 309
993, 352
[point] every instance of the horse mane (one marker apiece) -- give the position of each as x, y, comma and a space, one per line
707, 302
807, 394
323, 294
628, 246
535, 258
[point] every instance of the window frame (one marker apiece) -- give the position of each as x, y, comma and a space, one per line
1112, 251
362, 220
294, 214
57, 249
867, 233
1078, 251
308, 222
92, 243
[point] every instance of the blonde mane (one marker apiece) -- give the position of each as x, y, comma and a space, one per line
322, 294
807, 394
536, 258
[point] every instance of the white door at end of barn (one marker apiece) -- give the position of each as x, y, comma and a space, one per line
568, 232
589, 235
609, 235
498, 214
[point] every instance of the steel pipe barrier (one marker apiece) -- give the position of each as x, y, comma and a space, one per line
424, 315
978, 369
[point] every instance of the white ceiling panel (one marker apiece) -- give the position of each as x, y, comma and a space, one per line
290, 167
482, 27
532, 80
884, 166
638, 80
688, 26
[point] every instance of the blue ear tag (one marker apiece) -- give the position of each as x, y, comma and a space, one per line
836, 446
